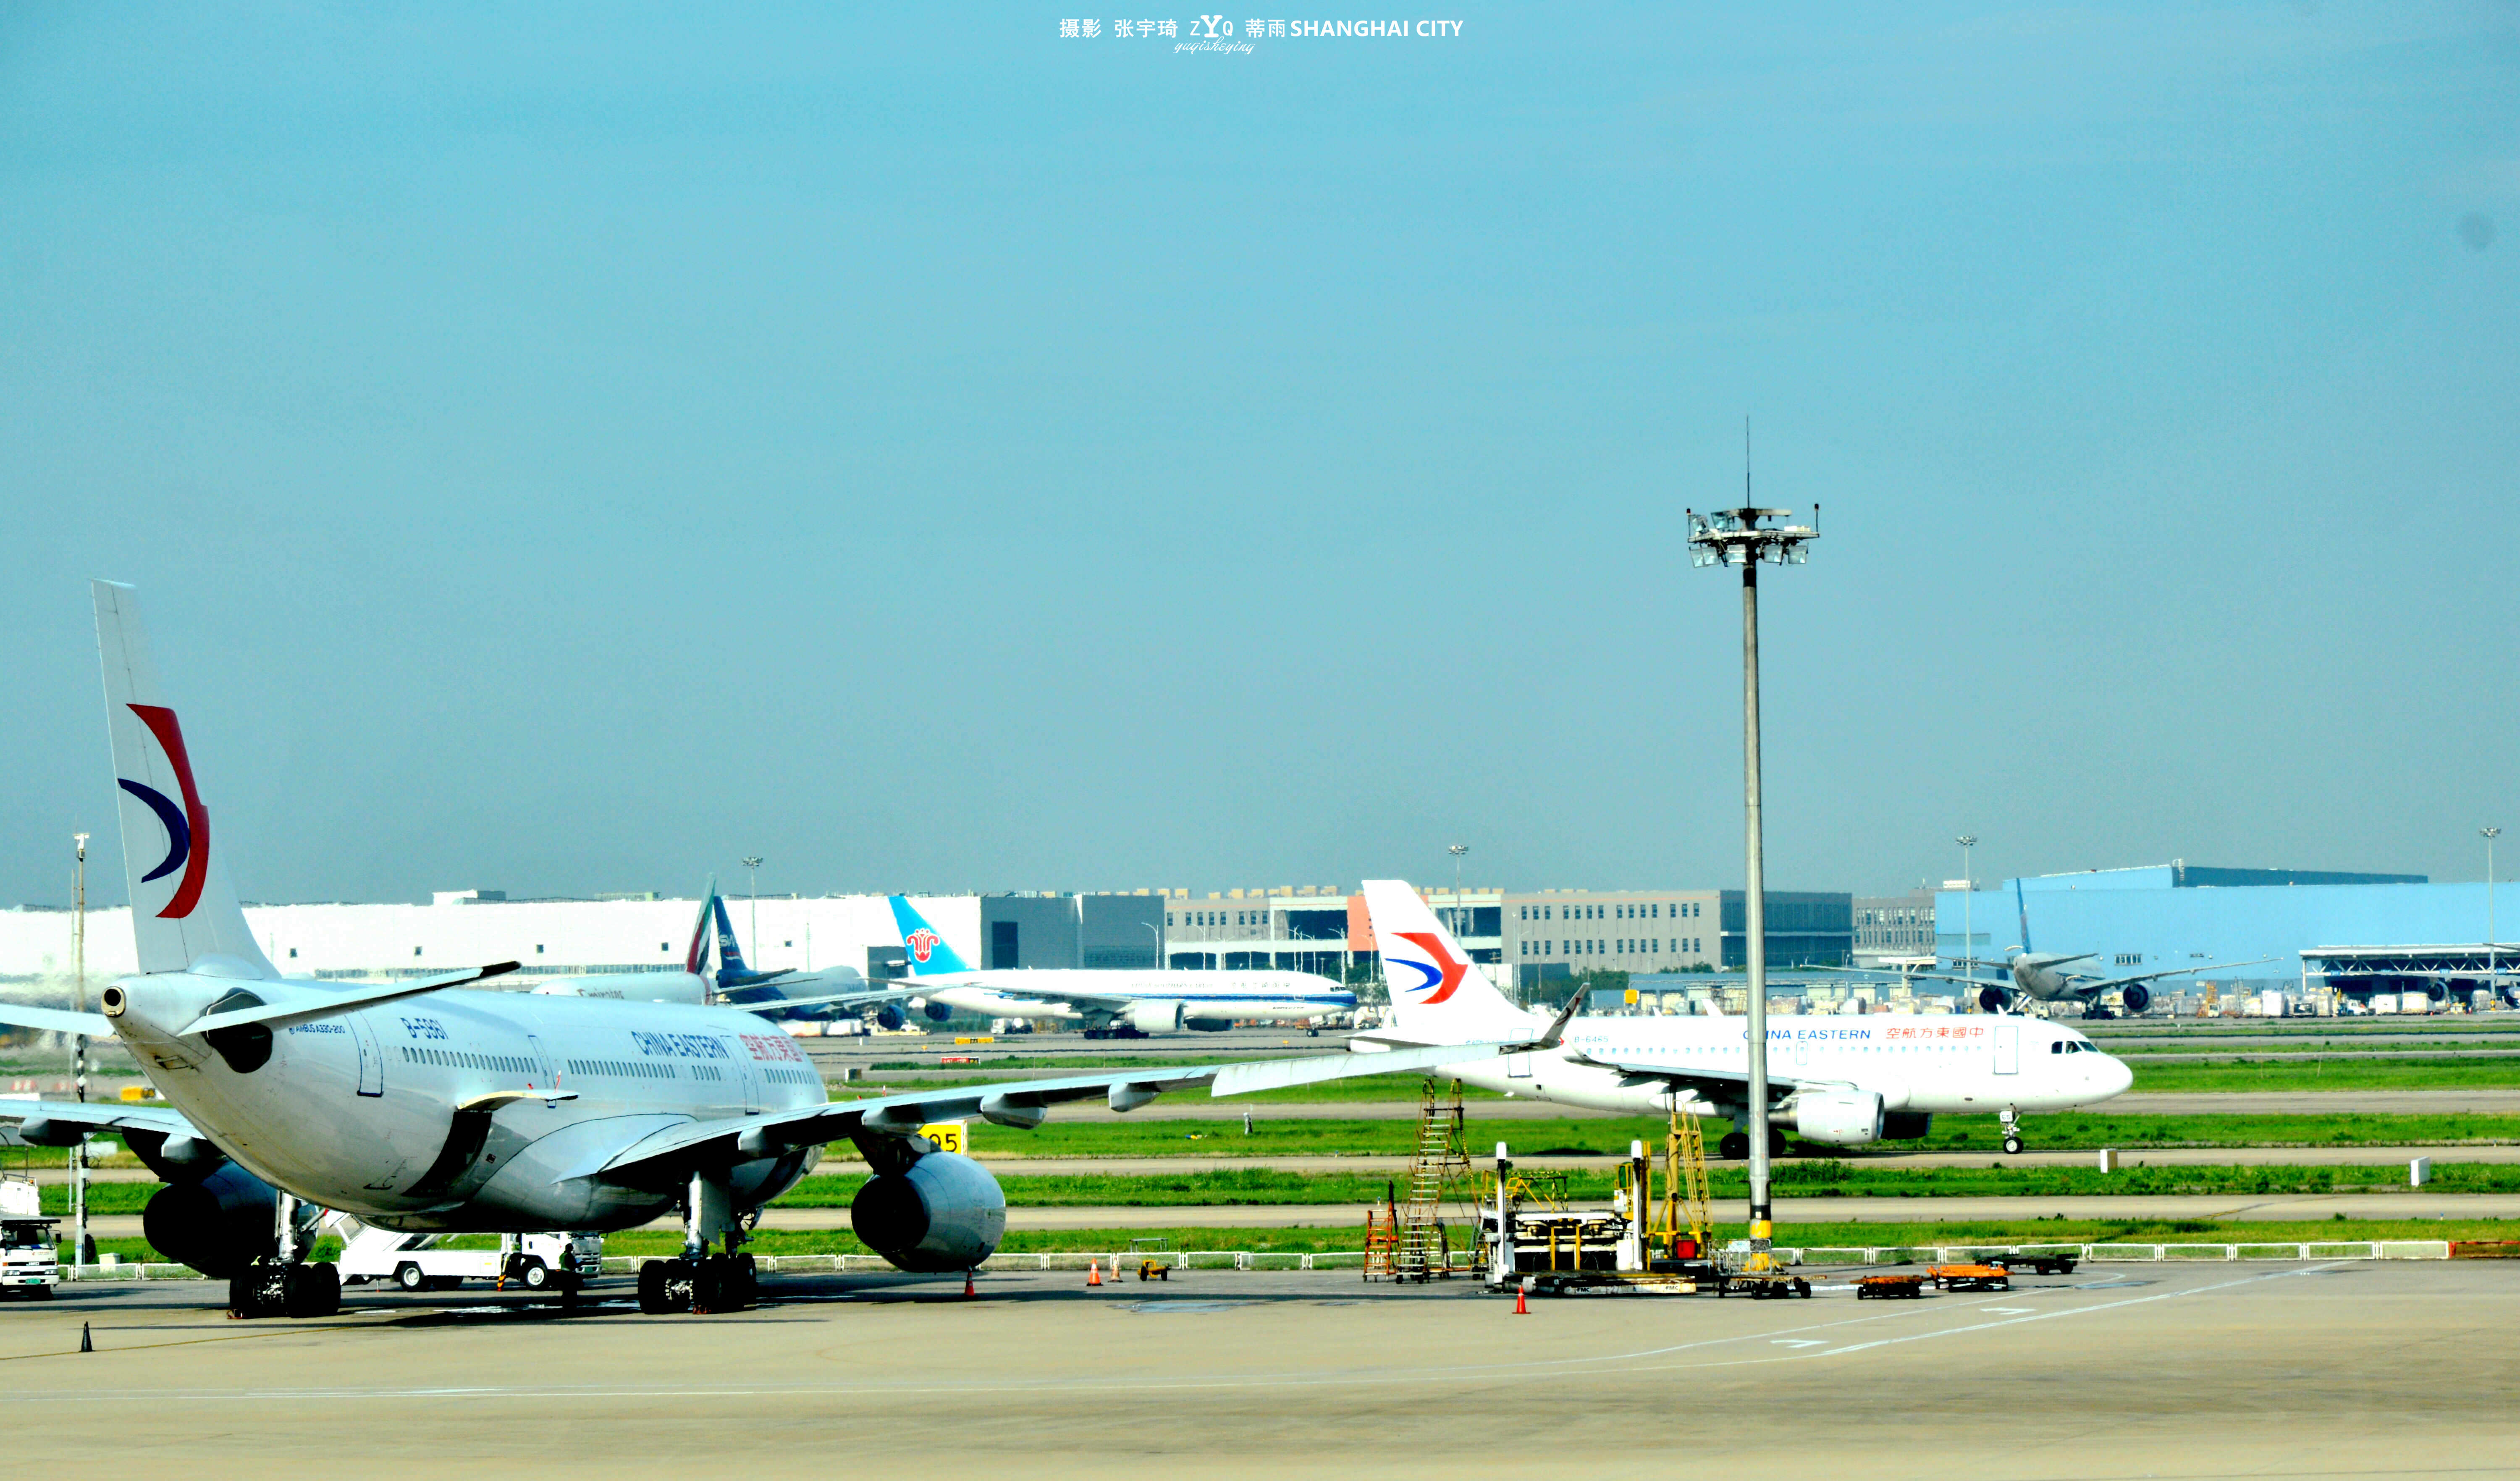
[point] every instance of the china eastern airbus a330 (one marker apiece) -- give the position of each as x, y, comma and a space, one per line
437, 1107
1842, 1081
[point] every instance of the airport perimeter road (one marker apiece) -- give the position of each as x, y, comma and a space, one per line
2263, 1371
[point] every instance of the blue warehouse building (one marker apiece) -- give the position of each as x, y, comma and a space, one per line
2179, 916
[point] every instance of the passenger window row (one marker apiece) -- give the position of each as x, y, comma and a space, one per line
458, 1059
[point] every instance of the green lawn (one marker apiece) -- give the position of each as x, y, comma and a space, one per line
2489, 1073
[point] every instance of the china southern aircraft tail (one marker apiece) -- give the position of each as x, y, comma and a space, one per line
930, 956
183, 910
1438, 995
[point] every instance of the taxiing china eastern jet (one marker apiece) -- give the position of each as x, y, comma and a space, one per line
1840, 1081
1116, 1005
2049, 976
436, 1106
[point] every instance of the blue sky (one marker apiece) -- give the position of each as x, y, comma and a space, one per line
565, 450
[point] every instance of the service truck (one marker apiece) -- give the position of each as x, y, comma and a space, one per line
548, 1262
29, 1260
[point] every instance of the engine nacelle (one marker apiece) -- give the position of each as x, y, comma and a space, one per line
2137, 998
1992, 999
946, 1213
1155, 1017
1839, 1117
937, 1012
889, 1017
217, 1225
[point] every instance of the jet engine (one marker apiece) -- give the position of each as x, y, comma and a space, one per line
937, 1012
2137, 998
944, 1213
217, 1225
1839, 1117
1155, 1017
889, 1017
1992, 999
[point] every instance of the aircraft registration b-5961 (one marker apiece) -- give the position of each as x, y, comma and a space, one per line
432, 1106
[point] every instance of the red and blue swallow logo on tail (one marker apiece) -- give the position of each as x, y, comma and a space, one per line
188, 828
922, 943
1438, 978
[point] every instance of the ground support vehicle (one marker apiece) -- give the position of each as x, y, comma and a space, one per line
559, 1264
30, 1252
2041, 1264
1889, 1287
1970, 1277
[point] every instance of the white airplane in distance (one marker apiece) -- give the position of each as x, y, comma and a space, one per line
424, 1106
1842, 1081
1112, 1004
773, 994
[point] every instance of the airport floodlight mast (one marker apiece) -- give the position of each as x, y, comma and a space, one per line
83, 1243
752, 867
1744, 537
1968, 901
1457, 850
2492, 972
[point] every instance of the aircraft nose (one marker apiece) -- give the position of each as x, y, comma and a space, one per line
2114, 1075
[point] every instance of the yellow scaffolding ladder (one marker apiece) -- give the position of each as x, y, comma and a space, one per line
1442, 1162
1686, 1202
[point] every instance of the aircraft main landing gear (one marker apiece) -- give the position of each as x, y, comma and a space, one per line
281, 1283
699, 1280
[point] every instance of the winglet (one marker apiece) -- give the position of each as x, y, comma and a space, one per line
1556, 1033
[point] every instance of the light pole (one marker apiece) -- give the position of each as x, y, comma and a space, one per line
83, 1244
1968, 905
1457, 851
752, 867
1740, 537
1157, 931
2493, 975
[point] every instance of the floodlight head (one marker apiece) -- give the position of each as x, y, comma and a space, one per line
1740, 537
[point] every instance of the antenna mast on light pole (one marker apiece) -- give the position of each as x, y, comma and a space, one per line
2492, 970
752, 866
1745, 537
83, 1244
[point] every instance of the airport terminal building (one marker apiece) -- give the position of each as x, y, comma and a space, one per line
2247, 929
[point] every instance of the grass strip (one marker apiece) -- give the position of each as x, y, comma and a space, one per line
2498, 1072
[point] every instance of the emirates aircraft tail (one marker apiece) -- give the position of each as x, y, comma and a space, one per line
184, 913
1438, 995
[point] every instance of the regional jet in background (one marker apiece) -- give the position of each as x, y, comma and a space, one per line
424, 1106
2044, 976
1841, 1081
1114, 1003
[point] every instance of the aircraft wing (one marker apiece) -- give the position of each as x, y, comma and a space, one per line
1699, 1080
672, 1153
98, 1116
843, 1000
2082, 988
56, 1021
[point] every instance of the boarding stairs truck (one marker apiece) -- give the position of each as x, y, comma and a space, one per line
554, 1262
29, 1260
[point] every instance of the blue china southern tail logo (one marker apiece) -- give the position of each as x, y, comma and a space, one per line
188, 828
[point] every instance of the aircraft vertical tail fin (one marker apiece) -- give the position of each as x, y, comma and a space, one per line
928, 954
730, 955
695, 956
2021, 905
183, 908
1438, 993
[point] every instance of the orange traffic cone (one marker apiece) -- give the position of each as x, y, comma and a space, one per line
967, 1292
1093, 1271
1521, 1307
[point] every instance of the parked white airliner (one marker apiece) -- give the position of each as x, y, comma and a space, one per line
1112, 1004
427, 1107
1843, 1081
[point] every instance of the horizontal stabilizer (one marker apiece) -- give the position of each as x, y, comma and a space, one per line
307, 1009
56, 1021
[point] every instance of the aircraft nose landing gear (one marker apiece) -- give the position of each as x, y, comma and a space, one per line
2011, 1132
